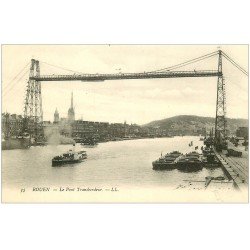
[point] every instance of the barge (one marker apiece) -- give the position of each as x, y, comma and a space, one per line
166, 162
190, 162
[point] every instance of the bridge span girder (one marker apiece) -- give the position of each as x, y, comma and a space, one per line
127, 76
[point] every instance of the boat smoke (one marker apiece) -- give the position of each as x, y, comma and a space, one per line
54, 137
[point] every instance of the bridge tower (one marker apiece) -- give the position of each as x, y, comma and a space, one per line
33, 113
220, 120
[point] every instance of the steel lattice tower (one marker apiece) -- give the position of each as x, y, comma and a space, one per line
220, 120
33, 102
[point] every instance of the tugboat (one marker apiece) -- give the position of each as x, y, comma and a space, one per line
69, 158
190, 162
166, 162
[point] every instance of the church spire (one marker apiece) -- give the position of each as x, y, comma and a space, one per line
72, 99
56, 116
71, 112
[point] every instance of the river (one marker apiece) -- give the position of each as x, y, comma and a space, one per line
114, 164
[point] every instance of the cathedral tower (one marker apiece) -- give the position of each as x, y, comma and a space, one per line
56, 116
71, 111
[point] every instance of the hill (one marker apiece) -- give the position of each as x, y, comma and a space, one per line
190, 124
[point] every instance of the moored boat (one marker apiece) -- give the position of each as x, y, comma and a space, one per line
206, 150
166, 162
190, 162
211, 161
89, 142
22, 141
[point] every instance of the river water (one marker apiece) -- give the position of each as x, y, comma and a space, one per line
111, 164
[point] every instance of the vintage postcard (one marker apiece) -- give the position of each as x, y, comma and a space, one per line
124, 123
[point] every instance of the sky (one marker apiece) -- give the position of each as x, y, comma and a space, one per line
133, 101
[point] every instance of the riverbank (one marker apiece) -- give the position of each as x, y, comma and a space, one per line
123, 165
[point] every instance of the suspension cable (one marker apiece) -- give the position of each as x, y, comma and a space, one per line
6, 91
12, 81
61, 67
234, 63
187, 62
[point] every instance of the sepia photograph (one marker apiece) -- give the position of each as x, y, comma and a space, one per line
124, 123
